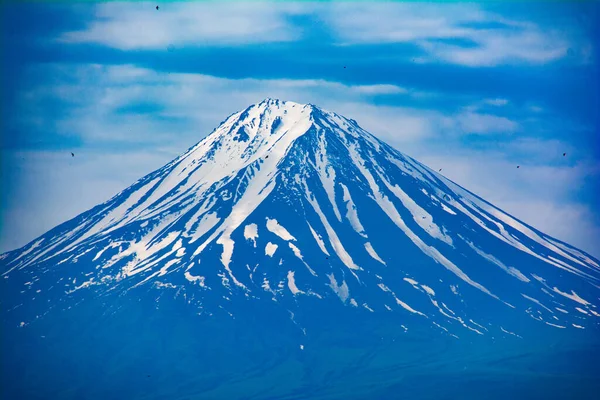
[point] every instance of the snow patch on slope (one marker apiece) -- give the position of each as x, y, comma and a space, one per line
318, 239
341, 290
573, 296
292, 283
351, 212
327, 175
400, 302
207, 222
372, 252
447, 209
274, 227
270, 249
251, 233
509, 270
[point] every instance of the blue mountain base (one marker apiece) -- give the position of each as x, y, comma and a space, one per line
131, 350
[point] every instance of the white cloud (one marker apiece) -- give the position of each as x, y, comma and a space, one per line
397, 22
380, 89
495, 48
475, 123
536, 109
449, 33
135, 25
454, 33
496, 102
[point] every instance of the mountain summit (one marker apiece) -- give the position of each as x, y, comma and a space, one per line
287, 219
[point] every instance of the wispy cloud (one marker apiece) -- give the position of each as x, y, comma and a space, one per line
454, 33
481, 124
462, 34
496, 102
536, 109
529, 45
136, 25
380, 89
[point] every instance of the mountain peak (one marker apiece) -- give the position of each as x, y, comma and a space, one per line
254, 130
272, 104
269, 101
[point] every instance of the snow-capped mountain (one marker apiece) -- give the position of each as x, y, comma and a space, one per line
299, 213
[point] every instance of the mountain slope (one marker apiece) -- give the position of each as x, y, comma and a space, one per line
290, 214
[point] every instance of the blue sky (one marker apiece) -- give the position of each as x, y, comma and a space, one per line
475, 89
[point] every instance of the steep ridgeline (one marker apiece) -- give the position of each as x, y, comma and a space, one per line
291, 203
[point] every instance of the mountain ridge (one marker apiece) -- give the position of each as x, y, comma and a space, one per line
311, 150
